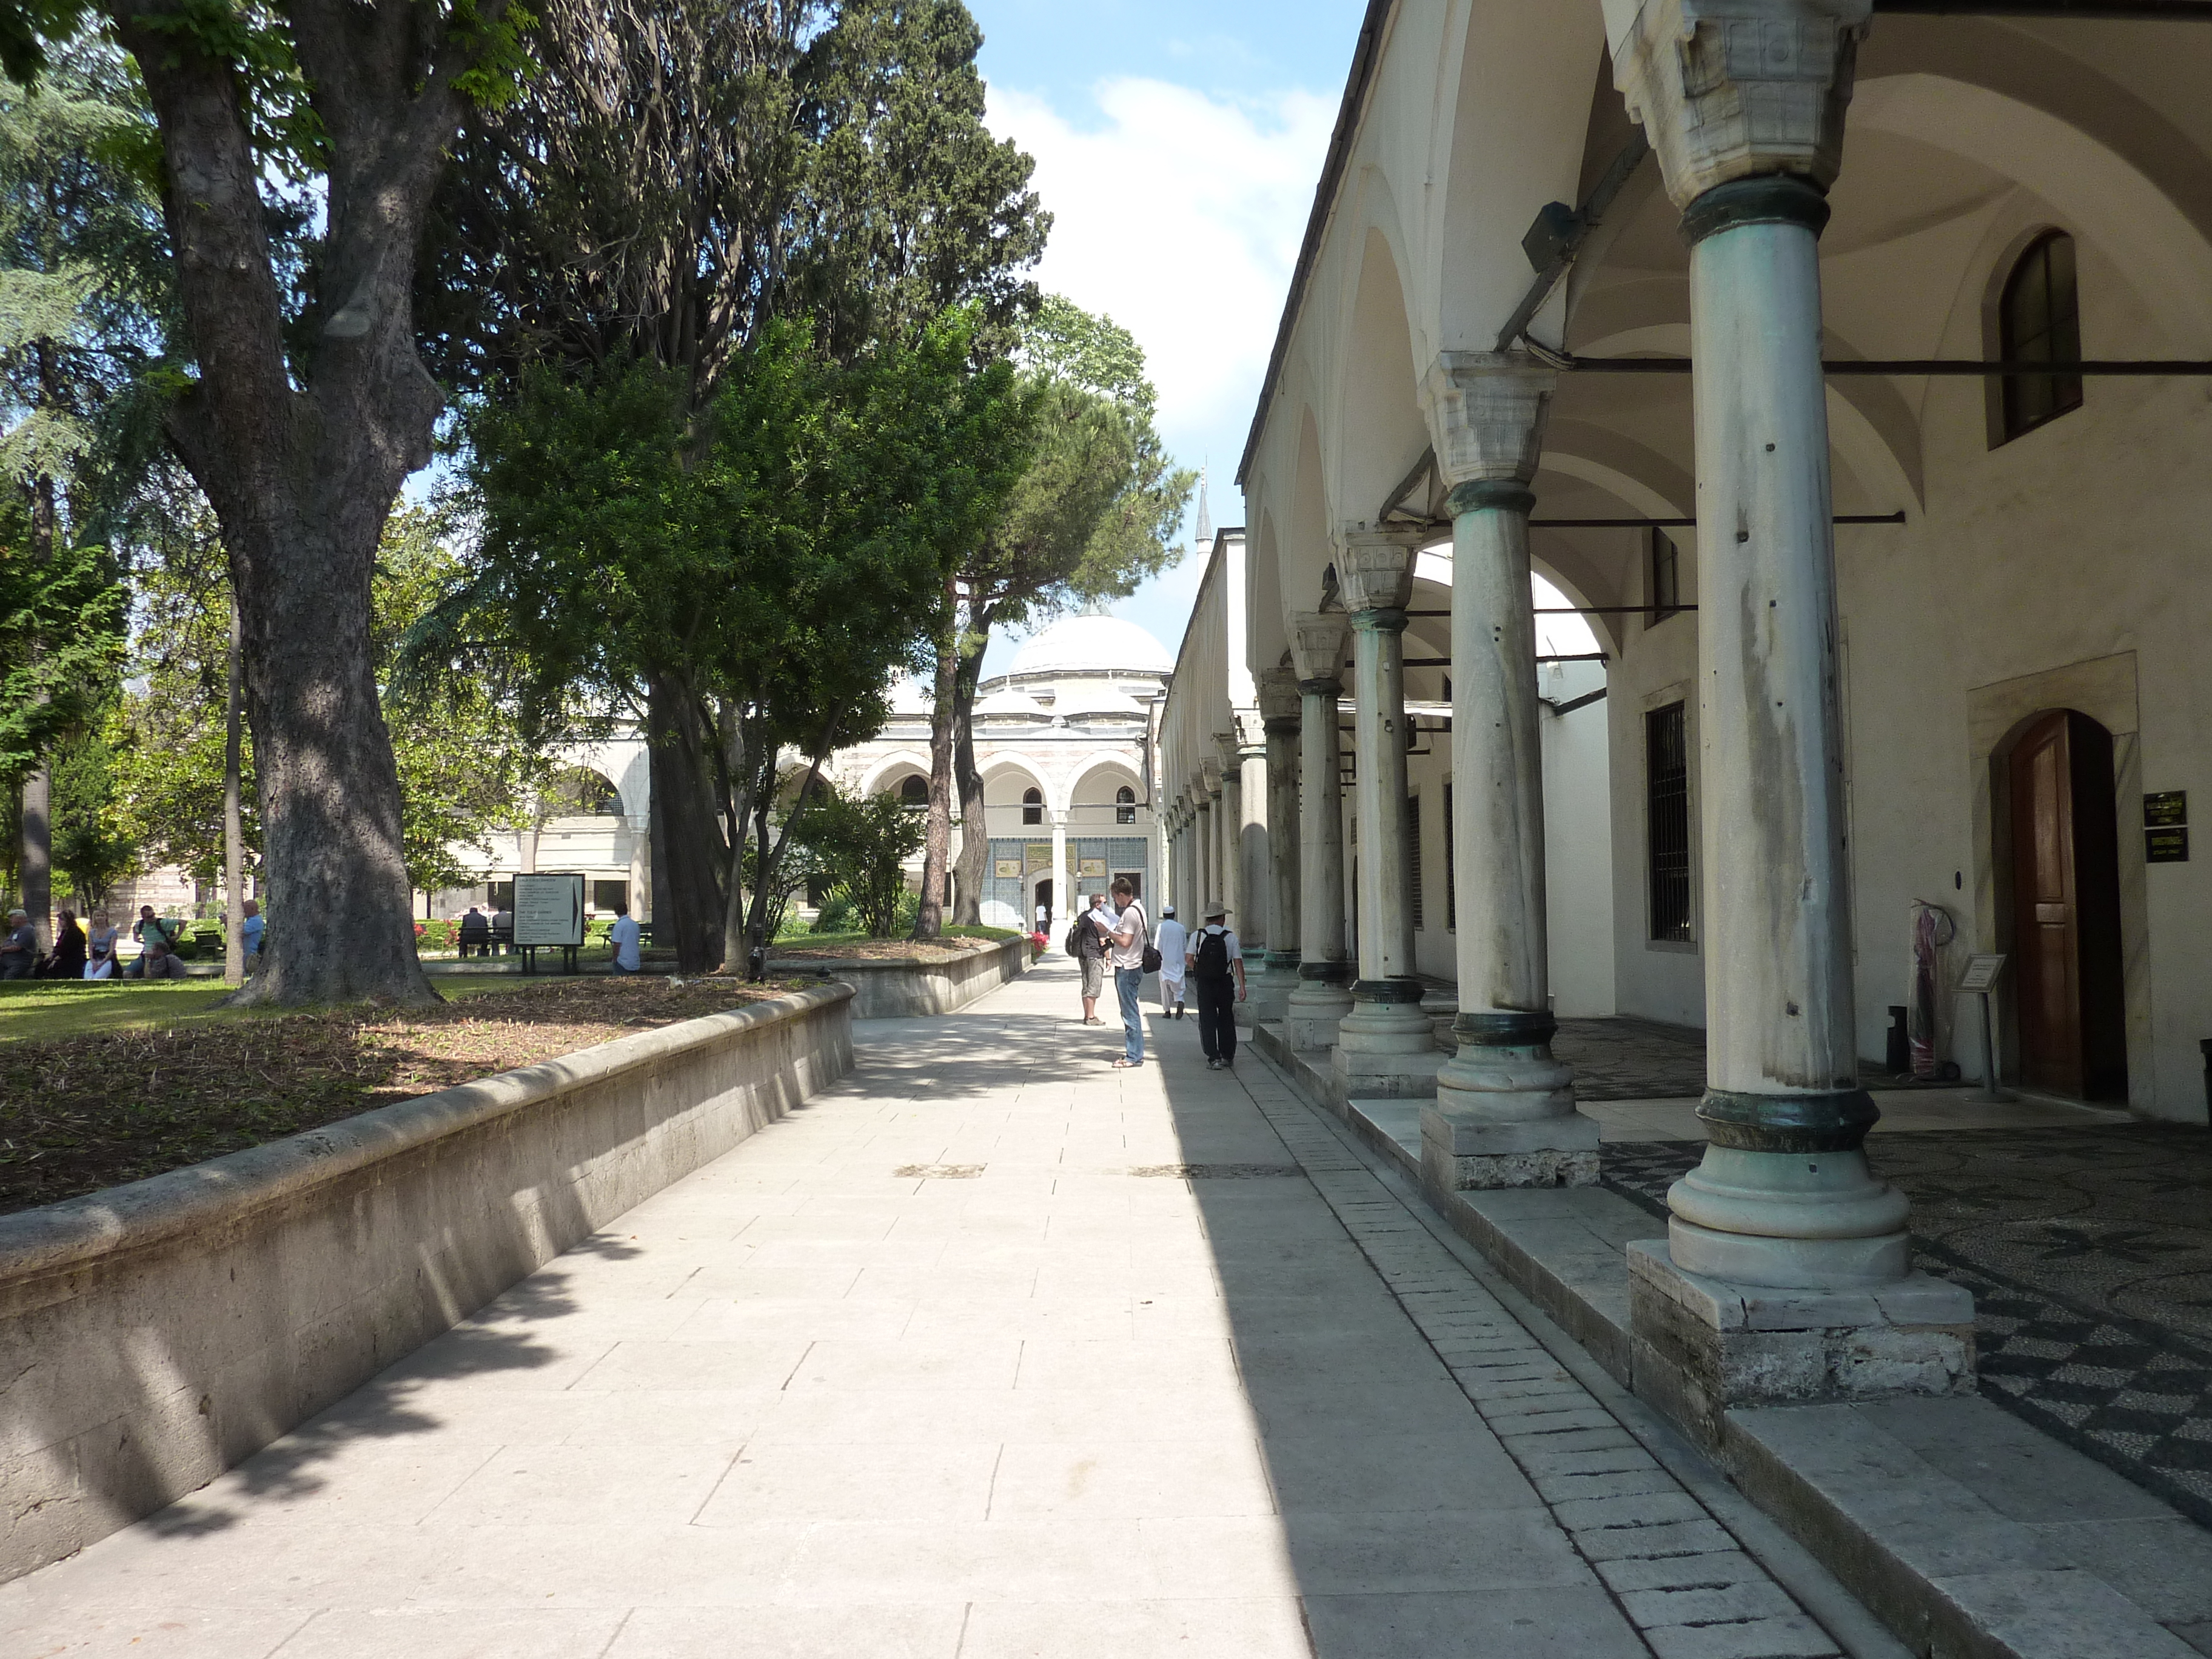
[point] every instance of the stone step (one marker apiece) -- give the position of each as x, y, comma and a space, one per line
1970, 1533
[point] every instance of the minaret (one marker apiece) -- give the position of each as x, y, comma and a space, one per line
1204, 518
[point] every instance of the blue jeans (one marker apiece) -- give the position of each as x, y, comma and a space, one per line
1127, 982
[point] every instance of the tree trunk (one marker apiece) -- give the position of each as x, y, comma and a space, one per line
234, 829
753, 774
771, 858
37, 818
302, 453
937, 844
975, 866
691, 843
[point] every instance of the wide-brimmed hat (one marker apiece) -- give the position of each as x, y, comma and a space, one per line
1216, 912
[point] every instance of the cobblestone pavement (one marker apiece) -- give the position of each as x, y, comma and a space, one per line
2089, 1253
989, 1350
1631, 1060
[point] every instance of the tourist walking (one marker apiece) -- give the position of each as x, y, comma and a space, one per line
100, 947
19, 946
66, 959
1217, 974
1088, 939
1170, 941
1126, 946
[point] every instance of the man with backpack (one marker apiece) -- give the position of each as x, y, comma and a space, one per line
1129, 947
1086, 942
1217, 976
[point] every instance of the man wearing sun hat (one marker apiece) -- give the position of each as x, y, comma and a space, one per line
1216, 980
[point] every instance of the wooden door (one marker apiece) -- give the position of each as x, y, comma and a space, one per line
2066, 909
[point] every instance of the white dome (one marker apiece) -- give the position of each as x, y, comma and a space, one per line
910, 696
1080, 645
1075, 699
1013, 704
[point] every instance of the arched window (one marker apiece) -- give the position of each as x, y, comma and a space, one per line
2039, 321
1032, 806
1125, 805
914, 792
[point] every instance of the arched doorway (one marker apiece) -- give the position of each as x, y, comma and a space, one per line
2068, 988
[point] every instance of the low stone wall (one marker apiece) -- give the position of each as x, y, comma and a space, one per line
153, 1335
901, 987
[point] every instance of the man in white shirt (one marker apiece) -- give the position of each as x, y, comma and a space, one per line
1126, 944
1170, 941
624, 936
1217, 973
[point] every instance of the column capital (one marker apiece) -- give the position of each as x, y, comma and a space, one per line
1730, 89
1251, 733
1375, 566
1278, 699
1317, 648
1210, 771
1486, 411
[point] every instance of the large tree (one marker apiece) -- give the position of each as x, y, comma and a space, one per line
308, 403
683, 174
83, 294
763, 568
1094, 515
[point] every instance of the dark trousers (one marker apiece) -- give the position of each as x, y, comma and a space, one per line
1217, 1017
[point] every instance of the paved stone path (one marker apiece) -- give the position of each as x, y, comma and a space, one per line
989, 1350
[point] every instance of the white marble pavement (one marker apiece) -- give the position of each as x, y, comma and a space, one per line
959, 1361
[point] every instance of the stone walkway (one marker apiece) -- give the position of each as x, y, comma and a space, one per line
989, 1350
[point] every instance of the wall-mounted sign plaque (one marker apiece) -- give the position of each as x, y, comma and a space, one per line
2166, 846
2165, 807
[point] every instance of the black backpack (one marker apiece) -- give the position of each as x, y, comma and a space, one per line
1075, 939
1213, 959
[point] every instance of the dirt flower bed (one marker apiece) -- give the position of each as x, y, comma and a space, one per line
882, 950
81, 1113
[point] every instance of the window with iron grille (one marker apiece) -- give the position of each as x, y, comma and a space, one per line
1413, 858
2039, 321
1032, 806
1667, 821
1666, 599
1451, 867
1125, 805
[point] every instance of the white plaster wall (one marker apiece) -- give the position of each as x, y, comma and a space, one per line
1579, 844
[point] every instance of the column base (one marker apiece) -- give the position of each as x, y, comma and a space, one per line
1703, 1346
1267, 994
1504, 1114
1317, 1007
1461, 1151
1385, 1048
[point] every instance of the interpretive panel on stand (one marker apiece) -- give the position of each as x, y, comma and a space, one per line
548, 910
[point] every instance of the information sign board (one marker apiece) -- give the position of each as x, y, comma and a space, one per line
2165, 807
549, 909
2167, 846
1982, 973
1008, 867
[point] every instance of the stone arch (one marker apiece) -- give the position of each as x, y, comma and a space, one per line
2102, 193
1519, 111
1127, 770
1382, 433
889, 771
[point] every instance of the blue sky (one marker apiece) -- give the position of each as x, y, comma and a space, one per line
1177, 147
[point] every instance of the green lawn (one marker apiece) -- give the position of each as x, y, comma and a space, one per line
48, 1008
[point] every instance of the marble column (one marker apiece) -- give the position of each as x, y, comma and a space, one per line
1061, 908
1209, 807
1231, 821
1323, 996
1786, 1272
1504, 1113
1278, 976
1385, 1046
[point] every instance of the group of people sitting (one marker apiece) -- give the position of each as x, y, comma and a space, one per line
482, 935
95, 954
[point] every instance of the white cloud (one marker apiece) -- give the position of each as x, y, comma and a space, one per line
1178, 214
